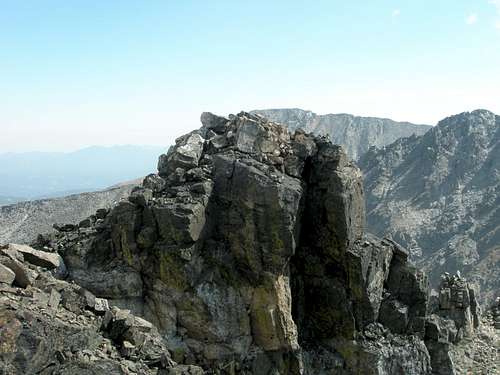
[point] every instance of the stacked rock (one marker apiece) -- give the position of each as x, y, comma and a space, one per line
458, 302
496, 313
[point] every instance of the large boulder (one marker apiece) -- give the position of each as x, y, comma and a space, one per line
51, 261
185, 154
13, 261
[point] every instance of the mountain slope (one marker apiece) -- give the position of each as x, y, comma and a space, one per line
35, 175
440, 196
355, 133
22, 222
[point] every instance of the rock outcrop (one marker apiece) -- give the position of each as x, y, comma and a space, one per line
439, 196
457, 302
460, 338
247, 251
356, 134
455, 314
495, 312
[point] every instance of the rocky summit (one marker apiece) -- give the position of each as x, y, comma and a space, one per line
245, 254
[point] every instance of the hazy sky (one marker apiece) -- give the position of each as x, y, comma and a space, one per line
78, 73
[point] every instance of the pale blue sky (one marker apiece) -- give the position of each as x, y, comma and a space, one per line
78, 73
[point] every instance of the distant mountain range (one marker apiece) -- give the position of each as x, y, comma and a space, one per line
357, 134
440, 196
35, 175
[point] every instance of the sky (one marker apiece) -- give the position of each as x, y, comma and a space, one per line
92, 72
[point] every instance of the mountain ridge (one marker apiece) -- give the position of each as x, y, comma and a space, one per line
22, 222
355, 133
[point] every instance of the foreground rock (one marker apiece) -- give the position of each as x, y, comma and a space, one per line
248, 252
55, 327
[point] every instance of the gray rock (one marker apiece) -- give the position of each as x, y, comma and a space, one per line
185, 154
394, 315
101, 306
441, 361
85, 223
218, 142
154, 182
7, 276
180, 224
182, 370
101, 213
54, 299
23, 276
39, 258
457, 304
127, 349
216, 123
64, 227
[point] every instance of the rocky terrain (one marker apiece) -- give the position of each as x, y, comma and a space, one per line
245, 254
50, 326
356, 134
22, 222
439, 196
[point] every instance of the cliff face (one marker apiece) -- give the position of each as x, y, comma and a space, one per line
247, 252
356, 134
439, 196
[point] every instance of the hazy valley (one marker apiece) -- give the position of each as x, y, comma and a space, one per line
39, 175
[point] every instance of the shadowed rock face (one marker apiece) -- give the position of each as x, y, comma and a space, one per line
439, 196
247, 252
356, 134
